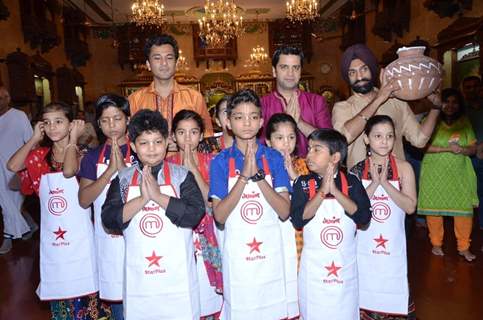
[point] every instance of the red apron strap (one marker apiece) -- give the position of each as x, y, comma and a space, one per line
167, 175
202, 166
266, 168
128, 152
134, 179
344, 185
392, 162
312, 190
222, 143
231, 167
101, 154
365, 172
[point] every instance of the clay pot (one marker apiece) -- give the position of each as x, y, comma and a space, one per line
417, 75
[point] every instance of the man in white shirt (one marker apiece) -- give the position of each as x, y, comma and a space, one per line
15, 130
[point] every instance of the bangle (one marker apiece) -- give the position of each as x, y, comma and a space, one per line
363, 117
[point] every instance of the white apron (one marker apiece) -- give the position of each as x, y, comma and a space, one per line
253, 262
67, 251
290, 255
110, 248
160, 271
328, 268
381, 253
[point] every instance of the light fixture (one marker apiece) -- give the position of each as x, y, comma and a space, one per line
182, 64
258, 56
220, 23
302, 10
147, 13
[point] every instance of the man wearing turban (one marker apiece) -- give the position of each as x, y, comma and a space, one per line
360, 69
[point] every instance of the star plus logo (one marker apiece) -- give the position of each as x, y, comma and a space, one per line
153, 259
381, 242
254, 245
60, 234
333, 269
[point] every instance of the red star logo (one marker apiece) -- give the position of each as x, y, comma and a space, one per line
333, 269
381, 242
153, 259
254, 245
60, 234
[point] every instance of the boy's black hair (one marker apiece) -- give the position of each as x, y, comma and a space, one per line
243, 96
159, 40
333, 139
111, 100
276, 119
147, 120
226, 98
452, 92
287, 50
380, 118
187, 115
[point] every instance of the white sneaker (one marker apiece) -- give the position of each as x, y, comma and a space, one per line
6, 246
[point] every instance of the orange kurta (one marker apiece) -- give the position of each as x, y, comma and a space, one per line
181, 97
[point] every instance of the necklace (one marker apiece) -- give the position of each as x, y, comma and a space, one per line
56, 164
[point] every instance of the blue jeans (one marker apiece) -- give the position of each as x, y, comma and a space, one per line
478, 165
117, 311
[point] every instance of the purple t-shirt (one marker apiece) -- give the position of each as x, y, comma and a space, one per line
88, 166
313, 110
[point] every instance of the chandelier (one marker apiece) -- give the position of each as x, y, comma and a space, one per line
182, 64
301, 10
258, 56
220, 23
147, 13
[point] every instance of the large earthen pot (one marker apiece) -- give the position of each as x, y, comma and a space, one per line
417, 75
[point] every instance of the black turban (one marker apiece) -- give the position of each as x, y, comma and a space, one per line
362, 52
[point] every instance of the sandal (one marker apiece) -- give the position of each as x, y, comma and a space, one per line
467, 255
437, 251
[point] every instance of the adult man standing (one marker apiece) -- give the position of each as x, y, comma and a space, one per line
16, 130
309, 110
359, 68
164, 94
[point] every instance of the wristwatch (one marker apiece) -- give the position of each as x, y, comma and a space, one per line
260, 175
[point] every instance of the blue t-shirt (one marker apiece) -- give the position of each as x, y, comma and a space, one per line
88, 166
220, 167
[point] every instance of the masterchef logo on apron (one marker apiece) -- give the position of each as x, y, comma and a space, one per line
381, 250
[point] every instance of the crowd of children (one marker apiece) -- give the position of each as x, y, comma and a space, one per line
253, 232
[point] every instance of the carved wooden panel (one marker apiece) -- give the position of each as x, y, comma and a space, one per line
283, 32
131, 43
21, 77
204, 53
38, 23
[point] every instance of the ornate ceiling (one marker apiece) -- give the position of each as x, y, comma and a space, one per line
100, 11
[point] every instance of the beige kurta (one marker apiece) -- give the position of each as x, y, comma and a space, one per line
404, 120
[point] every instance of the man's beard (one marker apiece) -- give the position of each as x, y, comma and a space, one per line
363, 86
